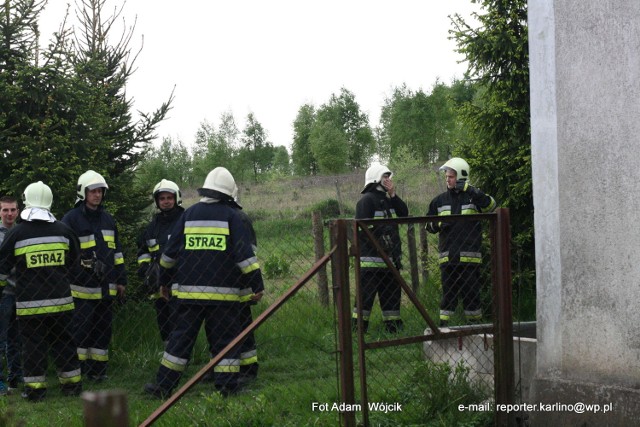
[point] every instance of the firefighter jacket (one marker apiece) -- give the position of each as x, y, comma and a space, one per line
376, 204
246, 220
45, 256
150, 245
461, 241
101, 253
210, 246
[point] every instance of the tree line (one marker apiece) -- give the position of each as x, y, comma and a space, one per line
333, 138
64, 109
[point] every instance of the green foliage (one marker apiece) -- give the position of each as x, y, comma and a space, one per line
424, 123
499, 119
437, 389
335, 138
304, 163
170, 161
281, 164
356, 127
276, 266
329, 208
407, 168
212, 149
259, 151
344, 112
329, 147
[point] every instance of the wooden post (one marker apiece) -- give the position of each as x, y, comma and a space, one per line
339, 197
318, 244
413, 257
106, 408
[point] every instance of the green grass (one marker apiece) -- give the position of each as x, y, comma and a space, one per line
297, 353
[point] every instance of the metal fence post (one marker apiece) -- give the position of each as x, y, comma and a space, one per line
413, 257
340, 264
503, 353
424, 253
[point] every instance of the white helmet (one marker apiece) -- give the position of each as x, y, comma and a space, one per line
169, 187
37, 195
374, 175
460, 166
221, 180
89, 180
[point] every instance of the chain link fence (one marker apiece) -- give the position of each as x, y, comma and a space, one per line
285, 359
436, 346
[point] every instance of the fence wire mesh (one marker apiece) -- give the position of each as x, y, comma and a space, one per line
451, 273
285, 373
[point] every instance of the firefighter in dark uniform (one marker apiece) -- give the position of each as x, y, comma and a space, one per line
380, 201
216, 271
167, 197
103, 276
459, 242
45, 254
248, 348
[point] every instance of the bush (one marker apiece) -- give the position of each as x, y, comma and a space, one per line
329, 208
276, 267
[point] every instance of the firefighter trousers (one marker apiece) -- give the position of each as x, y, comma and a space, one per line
41, 334
165, 316
248, 348
222, 324
460, 281
381, 282
92, 323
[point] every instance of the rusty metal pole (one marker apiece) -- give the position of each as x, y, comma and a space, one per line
413, 257
503, 353
424, 253
340, 264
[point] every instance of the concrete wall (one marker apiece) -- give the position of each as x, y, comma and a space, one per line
585, 118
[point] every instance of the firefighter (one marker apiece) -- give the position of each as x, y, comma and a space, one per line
248, 349
168, 200
103, 276
217, 270
459, 242
45, 254
380, 201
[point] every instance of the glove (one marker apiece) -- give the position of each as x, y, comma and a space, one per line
99, 269
152, 279
462, 185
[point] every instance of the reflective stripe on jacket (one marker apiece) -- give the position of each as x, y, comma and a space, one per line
211, 251
98, 235
459, 242
46, 260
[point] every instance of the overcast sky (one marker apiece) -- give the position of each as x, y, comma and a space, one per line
270, 57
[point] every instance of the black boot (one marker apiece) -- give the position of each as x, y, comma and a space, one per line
71, 389
393, 326
354, 325
156, 391
34, 394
